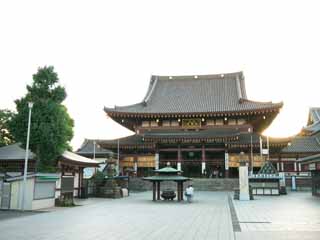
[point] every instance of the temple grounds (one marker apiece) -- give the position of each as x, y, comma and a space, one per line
213, 215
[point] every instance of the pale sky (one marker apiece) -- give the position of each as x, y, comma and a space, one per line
106, 51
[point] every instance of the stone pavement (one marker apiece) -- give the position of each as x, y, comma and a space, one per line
136, 217
294, 216
7, 214
213, 215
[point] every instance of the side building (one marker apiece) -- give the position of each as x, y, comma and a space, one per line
304, 144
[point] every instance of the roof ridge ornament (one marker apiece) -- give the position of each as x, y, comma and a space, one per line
239, 89
316, 113
153, 81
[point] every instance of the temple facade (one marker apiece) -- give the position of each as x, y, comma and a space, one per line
199, 124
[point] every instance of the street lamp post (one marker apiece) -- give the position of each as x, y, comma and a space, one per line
118, 159
30, 105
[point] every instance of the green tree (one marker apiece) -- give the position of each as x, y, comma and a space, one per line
51, 126
5, 136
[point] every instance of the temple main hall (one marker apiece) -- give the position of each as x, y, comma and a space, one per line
198, 123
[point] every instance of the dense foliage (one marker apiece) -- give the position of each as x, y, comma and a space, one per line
5, 136
51, 126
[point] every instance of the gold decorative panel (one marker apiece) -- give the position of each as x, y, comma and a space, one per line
146, 161
145, 124
235, 158
174, 124
153, 124
241, 121
191, 123
127, 162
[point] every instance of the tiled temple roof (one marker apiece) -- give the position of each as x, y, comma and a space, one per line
220, 93
14, 152
231, 136
312, 158
304, 144
209, 133
313, 125
87, 148
314, 115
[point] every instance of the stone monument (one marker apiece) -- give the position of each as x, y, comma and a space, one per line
243, 179
110, 188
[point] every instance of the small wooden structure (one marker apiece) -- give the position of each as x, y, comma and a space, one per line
312, 163
266, 182
167, 174
40, 191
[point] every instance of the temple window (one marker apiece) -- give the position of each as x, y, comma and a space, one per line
174, 124
166, 123
145, 124
153, 123
232, 121
241, 121
219, 122
210, 122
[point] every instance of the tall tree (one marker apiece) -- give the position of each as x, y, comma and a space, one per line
51, 126
5, 136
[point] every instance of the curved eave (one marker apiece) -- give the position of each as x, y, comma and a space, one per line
113, 112
256, 145
166, 178
130, 146
191, 139
79, 164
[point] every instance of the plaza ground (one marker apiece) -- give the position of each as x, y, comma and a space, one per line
212, 215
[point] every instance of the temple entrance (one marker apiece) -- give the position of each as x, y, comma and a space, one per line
195, 162
191, 169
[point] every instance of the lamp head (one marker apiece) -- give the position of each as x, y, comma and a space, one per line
30, 104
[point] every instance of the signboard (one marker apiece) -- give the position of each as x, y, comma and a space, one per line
67, 184
265, 151
312, 166
226, 161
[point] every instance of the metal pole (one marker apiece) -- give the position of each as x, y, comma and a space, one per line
118, 159
30, 105
268, 148
261, 147
94, 149
94, 154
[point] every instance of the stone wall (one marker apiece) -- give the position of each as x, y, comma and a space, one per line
199, 184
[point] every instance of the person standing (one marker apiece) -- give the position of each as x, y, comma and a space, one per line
189, 193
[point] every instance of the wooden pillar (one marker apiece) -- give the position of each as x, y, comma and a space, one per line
226, 163
181, 191
135, 162
179, 159
79, 181
203, 162
158, 190
153, 191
